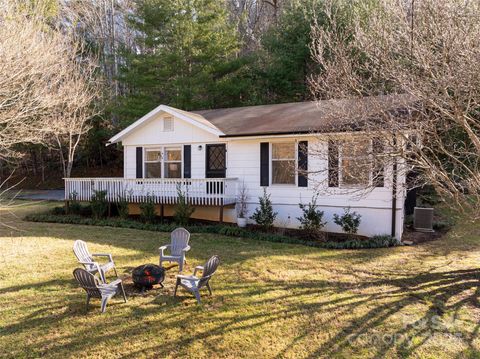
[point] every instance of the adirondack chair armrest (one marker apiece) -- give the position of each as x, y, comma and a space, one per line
190, 278
197, 269
114, 283
163, 248
103, 255
92, 264
186, 249
110, 288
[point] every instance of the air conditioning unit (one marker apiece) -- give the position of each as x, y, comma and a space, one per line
423, 219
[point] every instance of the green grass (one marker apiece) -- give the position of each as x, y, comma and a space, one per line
270, 299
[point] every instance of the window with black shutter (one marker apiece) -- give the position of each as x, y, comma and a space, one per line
187, 161
264, 167
139, 162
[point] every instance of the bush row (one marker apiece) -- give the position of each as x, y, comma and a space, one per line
374, 242
264, 216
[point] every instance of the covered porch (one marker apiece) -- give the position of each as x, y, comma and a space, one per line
216, 192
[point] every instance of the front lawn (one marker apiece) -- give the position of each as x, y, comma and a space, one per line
270, 299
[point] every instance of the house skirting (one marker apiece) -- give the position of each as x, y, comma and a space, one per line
210, 213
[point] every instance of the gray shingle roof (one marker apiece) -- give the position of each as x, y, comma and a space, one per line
303, 117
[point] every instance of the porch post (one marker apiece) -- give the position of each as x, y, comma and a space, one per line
221, 212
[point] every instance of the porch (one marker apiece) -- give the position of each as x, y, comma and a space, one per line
164, 191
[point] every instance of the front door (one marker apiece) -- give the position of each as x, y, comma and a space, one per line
215, 167
216, 161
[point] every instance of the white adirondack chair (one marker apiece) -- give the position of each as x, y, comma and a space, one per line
84, 257
193, 284
178, 248
95, 289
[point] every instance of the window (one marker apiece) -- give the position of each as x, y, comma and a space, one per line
153, 163
355, 163
168, 158
173, 162
283, 163
167, 124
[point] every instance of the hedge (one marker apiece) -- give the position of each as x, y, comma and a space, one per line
374, 242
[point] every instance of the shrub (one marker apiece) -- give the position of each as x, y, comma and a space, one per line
374, 242
377, 241
311, 219
264, 215
442, 225
122, 207
242, 201
74, 206
383, 240
349, 221
86, 210
99, 204
231, 231
58, 211
183, 209
147, 210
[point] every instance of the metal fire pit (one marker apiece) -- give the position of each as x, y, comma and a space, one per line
146, 275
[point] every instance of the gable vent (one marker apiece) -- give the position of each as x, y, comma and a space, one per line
168, 124
423, 219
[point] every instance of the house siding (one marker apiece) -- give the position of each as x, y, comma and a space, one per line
243, 162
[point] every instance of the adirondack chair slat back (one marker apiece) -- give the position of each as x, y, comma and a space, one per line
179, 238
208, 270
88, 282
81, 252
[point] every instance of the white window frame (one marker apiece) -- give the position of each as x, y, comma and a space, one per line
165, 161
341, 184
162, 161
145, 161
295, 144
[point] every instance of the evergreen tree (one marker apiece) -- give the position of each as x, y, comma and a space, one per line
264, 215
185, 51
285, 56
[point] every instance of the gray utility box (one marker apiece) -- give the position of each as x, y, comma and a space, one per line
423, 219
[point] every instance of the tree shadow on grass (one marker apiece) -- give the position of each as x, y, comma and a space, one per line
441, 293
366, 301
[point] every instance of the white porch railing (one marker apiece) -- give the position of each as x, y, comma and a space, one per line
200, 192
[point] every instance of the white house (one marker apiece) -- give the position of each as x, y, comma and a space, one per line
212, 153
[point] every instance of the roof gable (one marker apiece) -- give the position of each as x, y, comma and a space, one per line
191, 118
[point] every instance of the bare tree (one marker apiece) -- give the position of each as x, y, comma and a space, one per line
104, 24
428, 51
28, 78
46, 87
254, 18
80, 91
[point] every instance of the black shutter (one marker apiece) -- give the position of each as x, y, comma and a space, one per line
333, 166
378, 173
187, 161
139, 162
302, 163
264, 168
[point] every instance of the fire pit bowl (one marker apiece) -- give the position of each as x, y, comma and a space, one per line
146, 275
